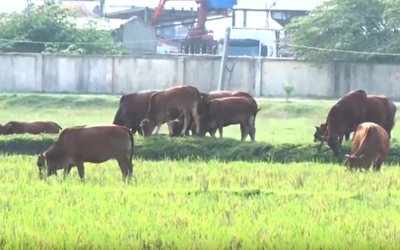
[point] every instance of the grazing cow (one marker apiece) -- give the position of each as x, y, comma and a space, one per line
380, 110
94, 144
370, 146
320, 130
32, 127
133, 109
345, 115
184, 97
227, 111
177, 124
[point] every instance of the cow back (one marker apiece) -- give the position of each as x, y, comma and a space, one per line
370, 138
347, 113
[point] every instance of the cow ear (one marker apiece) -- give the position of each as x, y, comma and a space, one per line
316, 127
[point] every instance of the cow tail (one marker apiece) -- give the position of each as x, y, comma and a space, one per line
118, 115
199, 97
255, 115
59, 127
132, 143
121, 99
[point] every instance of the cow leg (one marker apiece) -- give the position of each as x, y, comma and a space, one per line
81, 171
186, 114
377, 165
220, 130
340, 140
157, 128
245, 131
196, 117
252, 128
67, 170
213, 131
127, 170
170, 130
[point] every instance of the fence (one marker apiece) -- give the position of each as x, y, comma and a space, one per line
260, 77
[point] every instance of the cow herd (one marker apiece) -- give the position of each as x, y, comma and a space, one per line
370, 117
187, 110
184, 108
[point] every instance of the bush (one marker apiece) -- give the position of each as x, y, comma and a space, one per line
164, 147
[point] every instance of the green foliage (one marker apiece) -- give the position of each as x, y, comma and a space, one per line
163, 147
56, 27
289, 88
352, 25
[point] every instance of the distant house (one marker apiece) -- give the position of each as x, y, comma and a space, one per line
138, 36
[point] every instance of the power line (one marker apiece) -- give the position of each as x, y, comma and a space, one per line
173, 41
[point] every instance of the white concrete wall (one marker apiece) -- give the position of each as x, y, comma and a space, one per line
260, 77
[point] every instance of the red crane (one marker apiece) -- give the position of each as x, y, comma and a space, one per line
199, 39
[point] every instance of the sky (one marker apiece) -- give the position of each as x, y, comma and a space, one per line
254, 20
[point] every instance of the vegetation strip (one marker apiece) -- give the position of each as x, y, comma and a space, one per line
163, 147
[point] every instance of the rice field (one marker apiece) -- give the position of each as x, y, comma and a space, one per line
194, 205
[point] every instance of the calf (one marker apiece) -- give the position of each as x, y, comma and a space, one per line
32, 127
94, 144
227, 111
370, 146
177, 124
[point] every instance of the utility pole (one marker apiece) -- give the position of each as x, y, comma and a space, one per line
223, 59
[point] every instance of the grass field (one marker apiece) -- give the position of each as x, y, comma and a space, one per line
194, 205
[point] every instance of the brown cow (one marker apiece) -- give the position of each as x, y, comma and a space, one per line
347, 113
319, 132
380, 110
370, 146
184, 97
94, 144
177, 124
222, 112
133, 109
31, 127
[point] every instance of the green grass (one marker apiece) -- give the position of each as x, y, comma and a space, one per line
194, 204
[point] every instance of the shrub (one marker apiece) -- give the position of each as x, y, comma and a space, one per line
164, 147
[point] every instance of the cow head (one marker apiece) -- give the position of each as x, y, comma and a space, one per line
177, 126
147, 126
6, 129
354, 161
41, 163
319, 132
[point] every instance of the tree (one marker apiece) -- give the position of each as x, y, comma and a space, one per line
351, 25
52, 29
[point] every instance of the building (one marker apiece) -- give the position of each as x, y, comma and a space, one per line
139, 37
